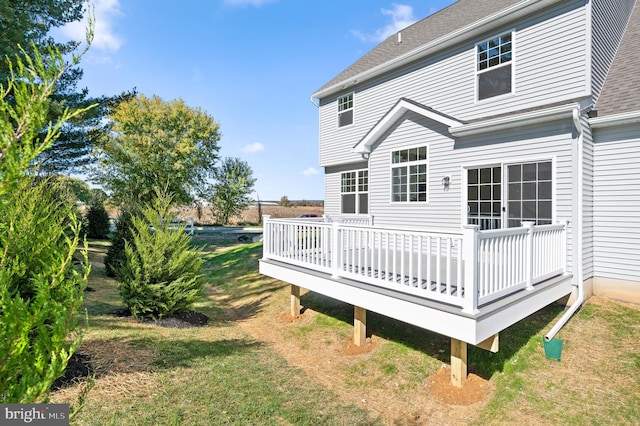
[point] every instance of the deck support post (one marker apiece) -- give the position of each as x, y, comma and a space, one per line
359, 326
458, 362
295, 300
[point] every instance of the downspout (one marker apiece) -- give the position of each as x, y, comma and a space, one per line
314, 104
577, 253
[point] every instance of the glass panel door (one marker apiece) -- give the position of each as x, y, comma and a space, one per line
484, 197
530, 193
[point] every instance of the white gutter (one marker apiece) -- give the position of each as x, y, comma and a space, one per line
512, 121
577, 237
313, 102
615, 120
475, 29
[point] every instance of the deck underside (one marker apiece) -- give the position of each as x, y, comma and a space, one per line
435, 316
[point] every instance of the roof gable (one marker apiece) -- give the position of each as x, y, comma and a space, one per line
394, 114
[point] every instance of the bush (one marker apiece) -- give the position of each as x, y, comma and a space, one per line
41, 289
97, 220
161, 274
115, 255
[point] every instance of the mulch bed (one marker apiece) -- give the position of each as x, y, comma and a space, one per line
78, 367
181, 320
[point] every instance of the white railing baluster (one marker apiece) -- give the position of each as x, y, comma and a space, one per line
429, 253
447, 265
470, 270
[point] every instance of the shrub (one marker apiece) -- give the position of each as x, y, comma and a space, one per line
41, 283
41, 289
161, 274
115, 255
97, 220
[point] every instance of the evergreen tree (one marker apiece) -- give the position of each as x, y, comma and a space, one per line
161, 273
41, 287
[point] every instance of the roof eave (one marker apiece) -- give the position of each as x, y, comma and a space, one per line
512, 121
488, 23
625, 118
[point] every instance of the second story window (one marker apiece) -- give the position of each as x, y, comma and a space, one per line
409, 175
345, 110
494, 63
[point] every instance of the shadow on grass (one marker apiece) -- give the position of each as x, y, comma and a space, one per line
187, 353
237, 287
481, 362
132, 355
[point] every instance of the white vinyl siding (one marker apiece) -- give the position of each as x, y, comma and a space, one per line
616, 203
587, 198
447, 83
610, 19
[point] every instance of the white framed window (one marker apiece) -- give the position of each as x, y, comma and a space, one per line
504, 196
494, 66
354, 191
530, 193
409, 169
345, 110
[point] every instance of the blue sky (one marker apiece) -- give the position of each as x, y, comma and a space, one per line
251, 64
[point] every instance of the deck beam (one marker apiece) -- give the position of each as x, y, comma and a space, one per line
458, 362
359, 326
295, 301
492, 344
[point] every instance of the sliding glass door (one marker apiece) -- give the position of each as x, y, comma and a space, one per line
527, 195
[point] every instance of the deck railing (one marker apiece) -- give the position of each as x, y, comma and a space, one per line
466, 270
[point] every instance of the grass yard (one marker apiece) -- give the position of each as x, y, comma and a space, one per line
253, 364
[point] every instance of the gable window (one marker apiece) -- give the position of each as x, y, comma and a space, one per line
354, 190
345, 110
494, 62
409, 175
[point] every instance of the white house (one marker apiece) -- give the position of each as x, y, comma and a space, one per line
479, 165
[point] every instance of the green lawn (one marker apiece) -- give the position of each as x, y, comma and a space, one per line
225, 373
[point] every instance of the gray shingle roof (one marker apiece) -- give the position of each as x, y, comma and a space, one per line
457, 15
621, 92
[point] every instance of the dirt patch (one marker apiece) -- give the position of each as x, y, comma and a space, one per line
474, 390
349, 348
371, 377
286, 317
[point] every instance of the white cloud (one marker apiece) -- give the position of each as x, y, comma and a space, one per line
256, 3
310, 172
401, 17
105, 38
254, 147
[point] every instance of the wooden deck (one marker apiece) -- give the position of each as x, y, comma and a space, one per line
468, 286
